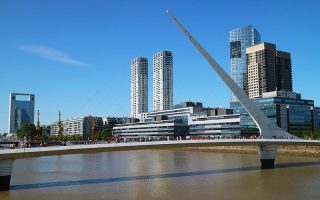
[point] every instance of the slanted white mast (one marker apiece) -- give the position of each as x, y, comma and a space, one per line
267, 128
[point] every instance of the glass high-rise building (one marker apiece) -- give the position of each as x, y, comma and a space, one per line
240, 39
162, 81
139, 86
21, 110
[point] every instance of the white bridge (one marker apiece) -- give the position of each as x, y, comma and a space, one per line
13, 154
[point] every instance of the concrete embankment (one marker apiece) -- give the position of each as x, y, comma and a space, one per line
281, 150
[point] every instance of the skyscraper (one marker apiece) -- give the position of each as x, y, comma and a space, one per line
240, 39
284, 71
21, 111
162, 81
139, 86
268, 69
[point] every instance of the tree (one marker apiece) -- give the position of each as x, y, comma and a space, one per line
75, 137
316, 134
60, 137
103, 134
44, 137
27, 130
93, 126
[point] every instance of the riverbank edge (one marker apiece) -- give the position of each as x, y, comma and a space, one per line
313, 151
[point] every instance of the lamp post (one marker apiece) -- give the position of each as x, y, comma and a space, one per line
288, 117
312, 120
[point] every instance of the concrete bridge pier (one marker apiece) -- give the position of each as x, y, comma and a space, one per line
267, 156
5, 173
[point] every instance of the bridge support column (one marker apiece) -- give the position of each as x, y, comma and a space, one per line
5, 173
267, 156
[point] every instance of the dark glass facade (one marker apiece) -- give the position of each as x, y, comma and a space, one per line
284, 71
292, 115
235, 49
22, 113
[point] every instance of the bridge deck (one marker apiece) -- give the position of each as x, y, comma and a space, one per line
94, 148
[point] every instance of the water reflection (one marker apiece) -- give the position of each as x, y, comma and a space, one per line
157, 184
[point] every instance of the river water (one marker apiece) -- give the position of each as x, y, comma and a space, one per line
163, 174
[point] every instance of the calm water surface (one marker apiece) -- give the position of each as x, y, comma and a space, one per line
163, 174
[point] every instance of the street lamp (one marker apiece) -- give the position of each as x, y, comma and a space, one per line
288, 118
312, 122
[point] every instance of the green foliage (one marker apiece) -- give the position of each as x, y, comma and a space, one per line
65, 138
44, 137
316, 134
27, 130
103, 134
60, 138
60, 130
76, 137
306, 134
51, 137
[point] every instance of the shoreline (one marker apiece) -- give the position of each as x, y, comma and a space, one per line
313, 151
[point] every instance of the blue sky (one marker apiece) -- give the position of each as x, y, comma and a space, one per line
75, 55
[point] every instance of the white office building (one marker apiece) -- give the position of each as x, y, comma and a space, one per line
162, 81
224, 125
139, 86
187, 119
78, 126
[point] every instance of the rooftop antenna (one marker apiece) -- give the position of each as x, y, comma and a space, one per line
60, 128
38, 120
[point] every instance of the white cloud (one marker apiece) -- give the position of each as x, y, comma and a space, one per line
51, 54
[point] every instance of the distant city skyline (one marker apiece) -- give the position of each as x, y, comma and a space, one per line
78, 60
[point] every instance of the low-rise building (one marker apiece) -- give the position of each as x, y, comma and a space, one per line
224, 125
171, 128
82, 126
185, 111
110, 122
187, 118
286, 109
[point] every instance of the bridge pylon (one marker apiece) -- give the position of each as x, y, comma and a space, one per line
267, 155
5, 173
